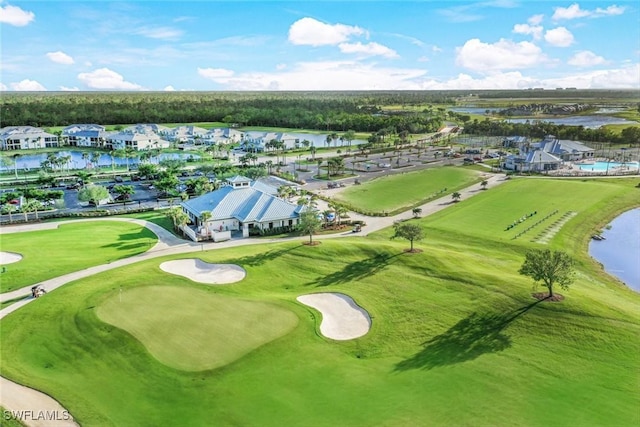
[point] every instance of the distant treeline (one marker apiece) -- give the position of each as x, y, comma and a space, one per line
331, 111
328, 111
630, 135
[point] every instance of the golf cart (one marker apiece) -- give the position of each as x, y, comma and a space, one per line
357, 228
37, 291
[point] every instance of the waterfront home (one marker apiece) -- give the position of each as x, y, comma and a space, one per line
135, 141
187, 134
26, 138
85, 135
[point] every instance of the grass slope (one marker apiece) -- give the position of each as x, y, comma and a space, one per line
192, 330
70, 247
456, 338
394, 192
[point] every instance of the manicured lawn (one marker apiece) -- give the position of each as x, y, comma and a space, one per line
395, 192
156, 217
70, 247
456, 338
194, 330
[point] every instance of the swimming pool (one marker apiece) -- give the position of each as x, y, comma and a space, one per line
602, 166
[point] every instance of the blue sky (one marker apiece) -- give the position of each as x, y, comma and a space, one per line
324, 45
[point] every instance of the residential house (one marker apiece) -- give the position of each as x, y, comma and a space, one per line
187, 134
223, 136
240, 205
85, 135
146, 128
26, 138
135, 141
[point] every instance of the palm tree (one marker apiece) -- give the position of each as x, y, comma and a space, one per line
95, 158
15, 164
456, 196
416, 212
85, 157
484, 184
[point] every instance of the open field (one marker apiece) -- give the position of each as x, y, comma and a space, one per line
394, 192
456, 338
70, 247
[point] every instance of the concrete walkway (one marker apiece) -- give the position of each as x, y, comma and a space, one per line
15, 397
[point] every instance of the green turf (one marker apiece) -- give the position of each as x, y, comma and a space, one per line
194, 330
7, 419
70, 247
456, 338
394, 192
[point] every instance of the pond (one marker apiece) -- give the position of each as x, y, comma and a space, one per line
317, 140
33, 161
619, 253
588, 122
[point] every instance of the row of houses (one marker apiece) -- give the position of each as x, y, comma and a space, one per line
136, 137
546, 155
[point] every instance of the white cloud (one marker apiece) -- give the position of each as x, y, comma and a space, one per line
104, 78
535, 19
436, 49
28, 85
169, 88
15, 16
324, 75
308, 31
69, 89
368, 49
3, 87
423, 59
560, 37
281, 66
510, 80
215, 73
574, 12
60, 58
586, 58
502, 55
165, 33
621, 78
534, 30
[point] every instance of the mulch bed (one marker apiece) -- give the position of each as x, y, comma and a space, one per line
544, 296
316, 243
414, 251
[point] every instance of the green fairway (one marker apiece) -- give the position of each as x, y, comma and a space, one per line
194, 330
456, 338
70, 247
489, 214
399, 192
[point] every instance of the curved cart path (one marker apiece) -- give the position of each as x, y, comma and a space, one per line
24, 398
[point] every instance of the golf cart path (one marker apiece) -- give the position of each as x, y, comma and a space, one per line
24, 398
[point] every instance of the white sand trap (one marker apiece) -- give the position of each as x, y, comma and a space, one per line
9, 257
342, 318
203, 272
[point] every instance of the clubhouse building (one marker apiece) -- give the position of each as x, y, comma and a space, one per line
240, 205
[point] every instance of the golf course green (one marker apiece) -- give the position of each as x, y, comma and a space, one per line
456, 337
71, 247
192, 330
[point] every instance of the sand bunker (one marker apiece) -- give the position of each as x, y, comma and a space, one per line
203, 272
342, 318
9, 257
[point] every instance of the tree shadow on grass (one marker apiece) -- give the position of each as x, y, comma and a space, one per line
255, 260
468, 339
128, 241
356, 270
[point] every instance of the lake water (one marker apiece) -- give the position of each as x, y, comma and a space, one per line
33, 161
589, 122
598, 119
620, 252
